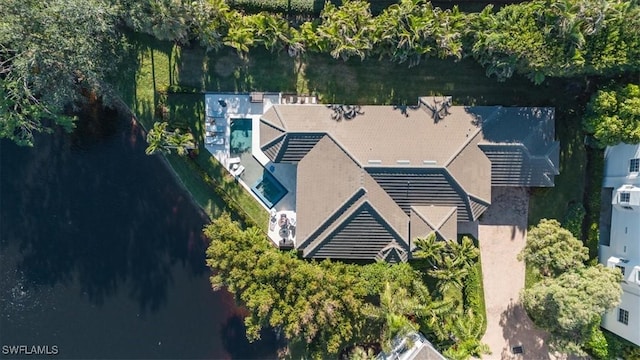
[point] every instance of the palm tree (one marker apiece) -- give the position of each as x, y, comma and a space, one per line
396, 307
464, 253
467, 331
429, 248
161, 140
347, 29
450, 275
210, 22
156, 139
182, 143
240, 35
271, 30
359, 353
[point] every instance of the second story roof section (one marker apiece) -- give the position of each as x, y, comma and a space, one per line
520, 143
517, 142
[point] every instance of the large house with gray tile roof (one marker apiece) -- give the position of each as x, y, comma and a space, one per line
370, 183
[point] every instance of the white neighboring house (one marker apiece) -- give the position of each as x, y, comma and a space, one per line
413, 346
620, 242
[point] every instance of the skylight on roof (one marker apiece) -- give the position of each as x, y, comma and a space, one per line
429, 162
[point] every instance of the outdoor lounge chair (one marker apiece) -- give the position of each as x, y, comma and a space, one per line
218, 140
238, 171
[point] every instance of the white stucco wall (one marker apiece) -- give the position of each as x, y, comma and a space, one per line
624, 249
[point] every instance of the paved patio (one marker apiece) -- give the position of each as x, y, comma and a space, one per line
222, 109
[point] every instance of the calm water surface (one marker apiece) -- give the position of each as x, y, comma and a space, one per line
101, 254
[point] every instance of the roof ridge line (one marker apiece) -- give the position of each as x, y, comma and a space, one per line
356, 196
464, 146
397, 233
425, 220
275, 109
312, 245
447, 217
275, 140
338, 144
269, 123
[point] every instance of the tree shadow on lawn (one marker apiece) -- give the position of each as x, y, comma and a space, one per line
260, 71
374, 81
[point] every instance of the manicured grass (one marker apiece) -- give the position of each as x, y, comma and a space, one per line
142, 89
552, 203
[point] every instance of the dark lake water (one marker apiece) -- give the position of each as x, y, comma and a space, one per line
102, 254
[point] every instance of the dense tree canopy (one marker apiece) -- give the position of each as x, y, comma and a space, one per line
324, 307
52, 51
570, 305
51, 55
552, 249
613, 115
539, 38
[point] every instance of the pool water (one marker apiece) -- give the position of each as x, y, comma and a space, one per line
265, 186
240, 137
269, 190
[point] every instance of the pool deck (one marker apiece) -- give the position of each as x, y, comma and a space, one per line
240, 106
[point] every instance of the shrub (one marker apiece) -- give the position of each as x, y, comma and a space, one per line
597, 345
474, 294
277, 6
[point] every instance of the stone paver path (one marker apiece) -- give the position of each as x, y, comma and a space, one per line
502, 234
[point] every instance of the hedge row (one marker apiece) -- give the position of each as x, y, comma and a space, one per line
474, 293
308, 7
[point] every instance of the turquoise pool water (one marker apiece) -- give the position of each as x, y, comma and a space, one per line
269, 190
240, 137
264, 185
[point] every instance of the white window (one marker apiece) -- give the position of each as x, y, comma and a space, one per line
634, 165
623, 316
625, 197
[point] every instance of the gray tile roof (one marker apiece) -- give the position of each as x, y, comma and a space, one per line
362, 181
441, 220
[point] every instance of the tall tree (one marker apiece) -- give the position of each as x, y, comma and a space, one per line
345, 31
164, 19
552, 249
52, 55
570, 305
613, 115
394, 312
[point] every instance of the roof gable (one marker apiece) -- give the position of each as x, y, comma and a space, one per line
362, 234
441, 220
327, 179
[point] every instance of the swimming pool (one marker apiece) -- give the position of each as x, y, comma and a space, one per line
268, 189
240, 136
265, 186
